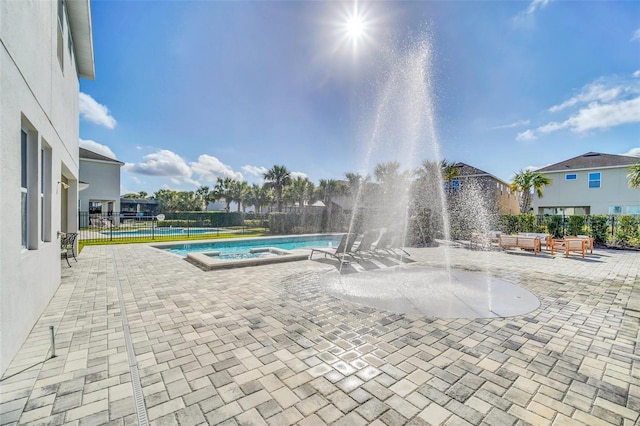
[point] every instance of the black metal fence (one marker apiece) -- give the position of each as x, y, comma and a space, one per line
125, 227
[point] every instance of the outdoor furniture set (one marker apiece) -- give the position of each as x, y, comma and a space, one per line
566, 245
373, 244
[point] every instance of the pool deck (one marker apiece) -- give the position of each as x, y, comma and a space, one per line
144, 337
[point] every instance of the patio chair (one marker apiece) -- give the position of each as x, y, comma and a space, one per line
340, 252
575, 244
67, 246
589, 241
388, 243
365, 247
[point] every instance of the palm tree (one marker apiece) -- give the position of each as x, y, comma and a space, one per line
301, 190
222, 190
527, 182
449, 172
634, 176
245, 195
259, 196
238, 191
203, 194
354, 184
278, 177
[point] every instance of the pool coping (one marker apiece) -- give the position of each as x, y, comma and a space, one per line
208, 263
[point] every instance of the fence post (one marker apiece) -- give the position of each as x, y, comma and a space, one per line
613, 224
111, 229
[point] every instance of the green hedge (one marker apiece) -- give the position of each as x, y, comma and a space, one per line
206, 219
294, 223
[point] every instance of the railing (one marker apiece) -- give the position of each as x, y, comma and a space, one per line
113, 226
123, 227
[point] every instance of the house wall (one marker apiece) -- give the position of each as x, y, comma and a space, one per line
505, 201
40, 97
104, 183
614, 191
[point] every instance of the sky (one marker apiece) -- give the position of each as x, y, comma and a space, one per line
189, 91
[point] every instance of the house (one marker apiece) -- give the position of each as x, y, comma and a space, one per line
496, 191
102, 196
138, 207
592, 183
45, 47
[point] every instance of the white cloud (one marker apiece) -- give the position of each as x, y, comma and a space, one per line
636, 35
537, 4
209, 168
605, 103
591, 92
97, 148
552, 127
161, 163
527, 135
633, 152
512, 125
295, 175
95, 112
598, 116
255, 170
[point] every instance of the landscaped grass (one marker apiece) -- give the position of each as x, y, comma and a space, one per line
260, 232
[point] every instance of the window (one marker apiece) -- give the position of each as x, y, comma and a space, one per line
95, 207
45, 192
452, 187
633, 210
594, 180
571, 176
615, 210
24, 189
60, 33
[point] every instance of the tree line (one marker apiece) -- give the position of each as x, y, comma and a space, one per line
388, 183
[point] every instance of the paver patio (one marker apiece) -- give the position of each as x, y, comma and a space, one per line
145, 337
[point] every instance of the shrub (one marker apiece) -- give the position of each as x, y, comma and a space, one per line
627, 233
293, 223
256, 223
599, 227
509, 224
554, 226
576, 225
526, 223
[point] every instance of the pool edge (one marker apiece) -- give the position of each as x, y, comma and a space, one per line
208, 264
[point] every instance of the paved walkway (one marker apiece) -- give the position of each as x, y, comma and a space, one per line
143, 337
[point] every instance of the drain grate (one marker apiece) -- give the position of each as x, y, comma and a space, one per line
141, 409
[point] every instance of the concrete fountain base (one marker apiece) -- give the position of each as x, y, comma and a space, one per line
432, 292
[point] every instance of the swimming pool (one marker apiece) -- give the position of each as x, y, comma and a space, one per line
244, 245
238, 253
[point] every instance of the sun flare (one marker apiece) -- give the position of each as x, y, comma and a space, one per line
355, 27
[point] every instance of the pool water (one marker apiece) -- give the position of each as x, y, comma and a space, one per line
243, 246
242, 255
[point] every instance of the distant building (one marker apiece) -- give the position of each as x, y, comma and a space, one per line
138, 207
102, 177
45, 46
496, 191
592, 183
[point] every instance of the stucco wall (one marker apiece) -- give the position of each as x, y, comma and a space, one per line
40, 97
104, 183
614, 191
